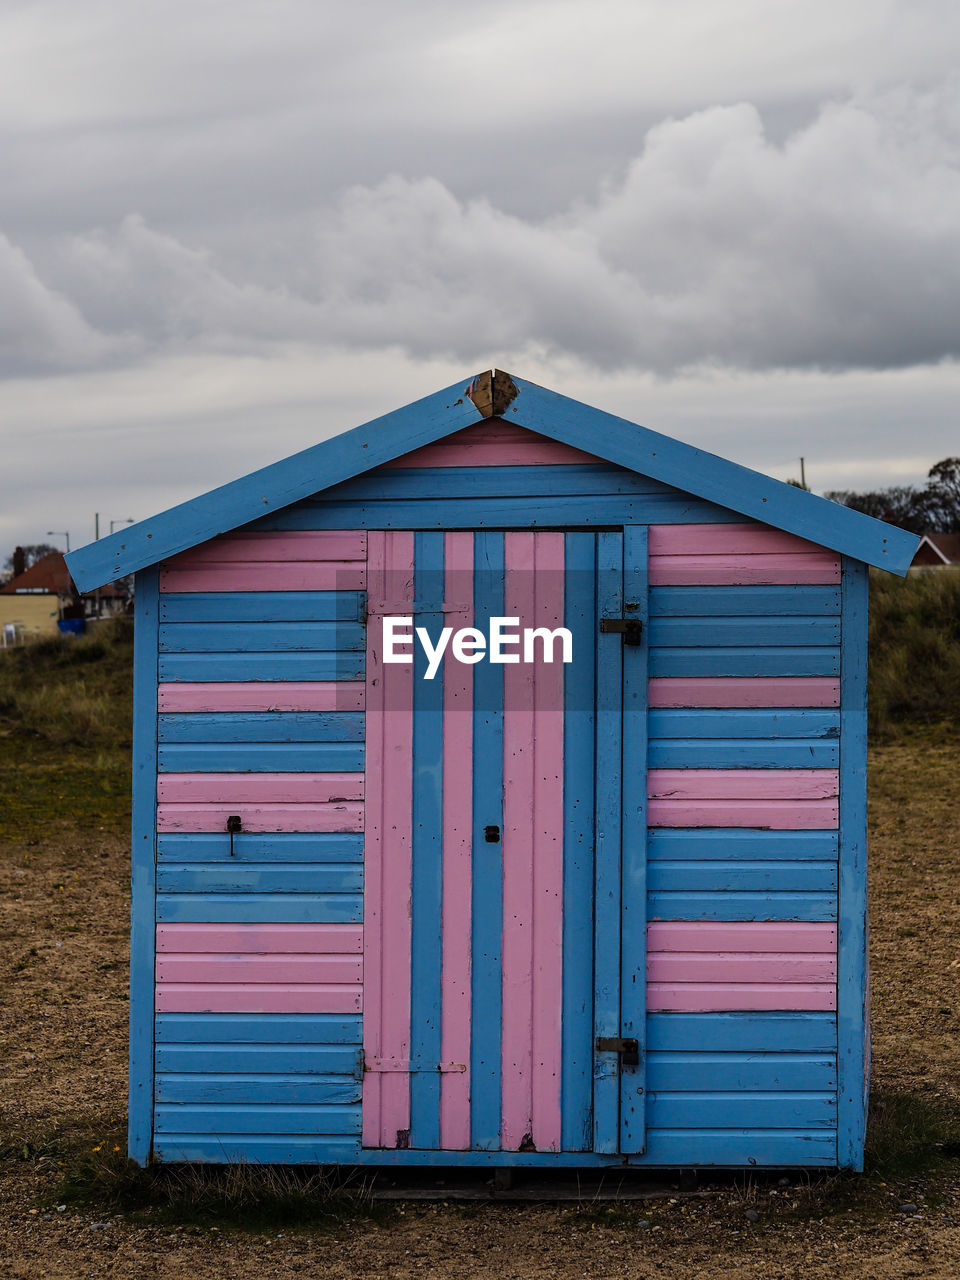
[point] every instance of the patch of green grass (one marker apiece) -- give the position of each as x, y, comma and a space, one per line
65, 734
907, 1134
914, 652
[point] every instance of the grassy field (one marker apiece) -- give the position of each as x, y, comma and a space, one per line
70, 1205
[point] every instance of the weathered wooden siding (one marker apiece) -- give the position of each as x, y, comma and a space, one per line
744, 797
259, 963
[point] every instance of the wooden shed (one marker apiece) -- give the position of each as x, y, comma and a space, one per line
587, 886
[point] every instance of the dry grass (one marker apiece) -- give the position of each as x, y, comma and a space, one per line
63, 912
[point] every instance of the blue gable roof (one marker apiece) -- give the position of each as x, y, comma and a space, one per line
624, 443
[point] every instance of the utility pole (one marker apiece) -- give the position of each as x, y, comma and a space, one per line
803, 473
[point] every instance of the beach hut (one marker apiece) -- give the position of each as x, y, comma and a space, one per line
499, 800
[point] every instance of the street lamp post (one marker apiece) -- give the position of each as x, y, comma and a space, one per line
129, 520
56, 533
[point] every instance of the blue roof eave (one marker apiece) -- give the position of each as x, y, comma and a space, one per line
272, 487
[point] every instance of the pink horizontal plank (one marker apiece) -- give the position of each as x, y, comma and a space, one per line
258, 788
293, 575
336, 545
750, 691
741, 966
315, 997
741, 784
769, 815
255, 938
261, 817
493, 444
725, 540
808, 567
239, 968
741, 935
707, 997
262, 695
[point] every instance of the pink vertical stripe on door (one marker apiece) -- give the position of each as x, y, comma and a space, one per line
548, 852
532, 853
387, 850
456, 915
516, 1044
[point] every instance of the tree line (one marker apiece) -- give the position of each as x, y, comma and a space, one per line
931, 508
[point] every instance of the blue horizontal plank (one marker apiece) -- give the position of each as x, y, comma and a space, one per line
260, 757
698, 633
282, 846
731, 843
687, 905
586, 511
262, 726
250, 1090
737, 1149
395, 484
742, 877
742, 722
772, 661
261, 637
266, 1119
758, 1032
746, 753
229, 876
295, 908
261, 666
242, 1148
746, 1072
719, 1109
733, 601
298, 1059
258, 1028
258, 606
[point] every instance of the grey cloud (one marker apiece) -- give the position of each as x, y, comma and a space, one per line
39, 327
839, 248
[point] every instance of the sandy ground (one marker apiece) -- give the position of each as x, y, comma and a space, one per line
63, 925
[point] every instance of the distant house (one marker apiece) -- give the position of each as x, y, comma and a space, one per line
45, 593
938, 551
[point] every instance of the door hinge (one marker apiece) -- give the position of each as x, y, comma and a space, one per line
630, 628
627, 1047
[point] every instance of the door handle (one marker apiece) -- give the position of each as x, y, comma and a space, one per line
627, 1047
630, 628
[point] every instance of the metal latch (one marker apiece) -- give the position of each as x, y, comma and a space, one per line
627, 1047
630, 628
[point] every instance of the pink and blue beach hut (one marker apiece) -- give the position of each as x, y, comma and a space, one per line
606, 909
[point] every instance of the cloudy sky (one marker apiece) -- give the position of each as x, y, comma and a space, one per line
230, 228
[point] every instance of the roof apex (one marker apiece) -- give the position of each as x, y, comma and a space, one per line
488, 394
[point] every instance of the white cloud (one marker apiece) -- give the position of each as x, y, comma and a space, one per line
39, 327
839, 248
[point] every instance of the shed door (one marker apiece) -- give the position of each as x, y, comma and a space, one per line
504, 900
